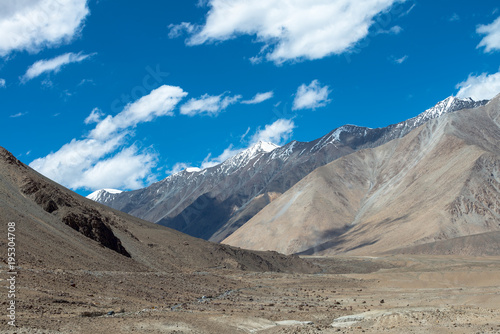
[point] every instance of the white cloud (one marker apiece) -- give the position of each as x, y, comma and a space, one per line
160, 102
256, 60
208, 104
259, 98
177, 30
2, 83
399, 60
245, 134
19, 114
228, 100
292, 30
128, 168
34, 24
311, 96
52, 65
93, 164
396, 30
276, 133
408, 10
72, 160
46, 83
481, 87
86, 81
491, 41
104, 159
94, 117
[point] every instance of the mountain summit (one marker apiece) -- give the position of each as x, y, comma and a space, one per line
448, 105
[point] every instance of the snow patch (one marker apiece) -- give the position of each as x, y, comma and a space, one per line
284, 152
334, 137
101, 194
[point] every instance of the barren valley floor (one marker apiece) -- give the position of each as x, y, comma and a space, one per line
392, 294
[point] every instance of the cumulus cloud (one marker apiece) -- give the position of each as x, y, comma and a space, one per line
52, 65
276, 133
2, 83
160, 102
291, 30
481, 87
208, 104
34, 24
68, 165
311, 96
491, 41
128, 168
104, 158
259, 98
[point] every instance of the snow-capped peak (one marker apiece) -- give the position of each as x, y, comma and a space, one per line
252, 151
443, 106
244, 157
102, 195
263, 146
451, 104
448, 105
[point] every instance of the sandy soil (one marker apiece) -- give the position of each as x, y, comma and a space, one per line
352, 295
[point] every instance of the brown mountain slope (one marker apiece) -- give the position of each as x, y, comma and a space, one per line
439, 182
483, 244
56, 228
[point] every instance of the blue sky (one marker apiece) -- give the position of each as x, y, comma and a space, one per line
119, 94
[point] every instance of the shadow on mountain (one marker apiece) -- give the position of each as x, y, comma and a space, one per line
336, 239
201, 219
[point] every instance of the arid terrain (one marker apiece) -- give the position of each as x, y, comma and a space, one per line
393, 294
83, 267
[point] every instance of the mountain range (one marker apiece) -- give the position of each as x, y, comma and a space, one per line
214, 203
435, 190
